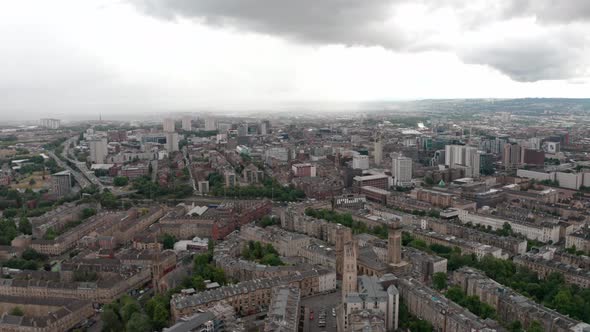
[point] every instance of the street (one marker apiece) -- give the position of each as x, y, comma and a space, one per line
315, 304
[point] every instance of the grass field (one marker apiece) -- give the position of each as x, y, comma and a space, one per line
39, 182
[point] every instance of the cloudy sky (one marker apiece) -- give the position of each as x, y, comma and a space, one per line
71, 56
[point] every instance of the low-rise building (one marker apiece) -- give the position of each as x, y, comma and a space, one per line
579, 239
444, 314
284, 311
544, 267
247, 297
467, 247
43, 314
541, 231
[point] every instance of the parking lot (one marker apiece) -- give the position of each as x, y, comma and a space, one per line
315, 304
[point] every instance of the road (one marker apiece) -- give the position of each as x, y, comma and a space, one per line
81, 179
187, 162
84, 177
315, 304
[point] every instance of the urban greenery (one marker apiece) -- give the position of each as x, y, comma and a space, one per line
553, 291
120, 181
270, 189
168, 241
409, 322
439, 280
261, 253
472, 303
268, 221
125, 314
345, 219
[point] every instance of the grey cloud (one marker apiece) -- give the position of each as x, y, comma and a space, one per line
551, 11
350, 22
365, 23
557, 54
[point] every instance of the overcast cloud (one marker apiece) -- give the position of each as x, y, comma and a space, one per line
108, 56
531, 54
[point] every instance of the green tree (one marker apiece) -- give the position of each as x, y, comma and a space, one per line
120, 181
138, 322
515, 326
439, 280
24, 226
168, 241
160, 316
111, 321
108, 200
50, 234
88, 212
535, 327
128, 308
198, 283
17, 311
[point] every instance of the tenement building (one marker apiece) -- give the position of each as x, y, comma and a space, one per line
444, 314
283, 312
544, 267
510, 244
42, 314
252, 296
541, 231
467, 247
511, 306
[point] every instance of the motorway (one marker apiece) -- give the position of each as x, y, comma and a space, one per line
81, 179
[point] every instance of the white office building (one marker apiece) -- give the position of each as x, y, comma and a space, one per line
210, 124
401, 169
360, 161
168, 125
50, 123
98, 150
187, 123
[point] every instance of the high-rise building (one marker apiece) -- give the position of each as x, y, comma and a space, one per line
265, 127
98, 150
486, 163
187, 124
168, 125
360, 161
61, 183
512, 155
401, 169
171, 142
50, 123
210, 124
378, 153
243, 130
463, 156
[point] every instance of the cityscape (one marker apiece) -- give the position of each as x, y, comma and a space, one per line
295, 166
425, 220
